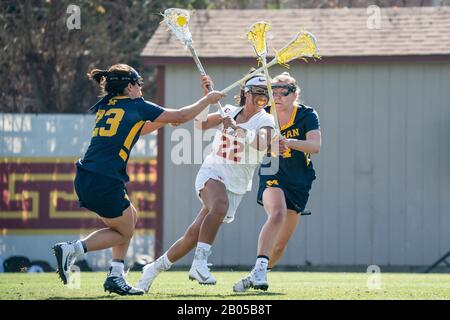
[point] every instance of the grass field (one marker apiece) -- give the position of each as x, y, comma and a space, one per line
283, 285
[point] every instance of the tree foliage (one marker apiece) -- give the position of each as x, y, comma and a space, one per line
43, 64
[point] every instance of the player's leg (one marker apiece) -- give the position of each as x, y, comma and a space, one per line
275, 206
190, 238
119, 252
178, 250
214, 196
119, 231
286, 231
115, 281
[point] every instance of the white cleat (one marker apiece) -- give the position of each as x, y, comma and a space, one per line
200, 272
149, 274
65, 258
259, 279
243, 285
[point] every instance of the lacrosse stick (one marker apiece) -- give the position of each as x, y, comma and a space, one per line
302, 46
178, 22
257, 37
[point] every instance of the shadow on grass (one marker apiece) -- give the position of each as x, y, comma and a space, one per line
84, 298
241, 295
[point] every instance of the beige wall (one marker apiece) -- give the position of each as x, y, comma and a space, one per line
382, 195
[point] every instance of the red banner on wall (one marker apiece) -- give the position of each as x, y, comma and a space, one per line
37, 195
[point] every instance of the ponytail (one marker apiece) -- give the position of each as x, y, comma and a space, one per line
114, 80
97, 75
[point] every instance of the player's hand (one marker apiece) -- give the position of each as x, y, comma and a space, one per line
283, 145
228, 122
240, 132
279, 145
214, 96
206, 83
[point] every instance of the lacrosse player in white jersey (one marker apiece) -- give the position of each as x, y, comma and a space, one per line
239, 145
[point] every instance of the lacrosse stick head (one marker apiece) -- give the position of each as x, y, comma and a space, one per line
178, 22
303, 46
257, 37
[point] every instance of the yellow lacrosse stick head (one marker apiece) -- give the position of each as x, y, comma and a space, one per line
303, 45
257, 36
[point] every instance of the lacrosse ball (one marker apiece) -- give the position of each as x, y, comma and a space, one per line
181, 20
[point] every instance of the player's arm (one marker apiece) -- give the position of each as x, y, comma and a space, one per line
213, 120
311, 145
189, 112
150, 127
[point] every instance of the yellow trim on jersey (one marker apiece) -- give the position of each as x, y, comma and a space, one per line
120, 97
123, 155
291, 120
132, 134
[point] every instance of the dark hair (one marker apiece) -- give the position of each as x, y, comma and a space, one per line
240, 99
114, 80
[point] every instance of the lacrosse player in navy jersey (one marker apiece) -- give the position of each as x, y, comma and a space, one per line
284, 193
122, 115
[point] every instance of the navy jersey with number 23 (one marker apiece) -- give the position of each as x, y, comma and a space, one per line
118, 124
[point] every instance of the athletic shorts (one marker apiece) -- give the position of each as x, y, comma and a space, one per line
103, 195
296, 198
234, 199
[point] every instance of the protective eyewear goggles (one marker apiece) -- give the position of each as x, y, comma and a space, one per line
283, 90
257, 91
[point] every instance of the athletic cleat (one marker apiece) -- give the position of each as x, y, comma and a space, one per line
149, 273
259, 279
119, 285
200, 272
65, 258
243, 285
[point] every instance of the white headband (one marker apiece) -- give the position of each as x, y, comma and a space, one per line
256, 81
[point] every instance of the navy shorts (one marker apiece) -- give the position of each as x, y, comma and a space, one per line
103, 195
296, 198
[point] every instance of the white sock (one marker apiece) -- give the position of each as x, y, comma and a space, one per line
79, 250
117, 268
202, 251
261, 263
163, 263
203, 246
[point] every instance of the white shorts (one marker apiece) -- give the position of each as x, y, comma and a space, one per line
234, 199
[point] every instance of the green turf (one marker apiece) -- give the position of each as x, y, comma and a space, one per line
283, 285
